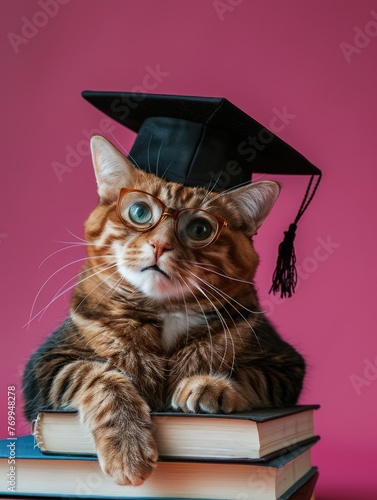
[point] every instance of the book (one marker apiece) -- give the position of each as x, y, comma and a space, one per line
257, 435
26, 471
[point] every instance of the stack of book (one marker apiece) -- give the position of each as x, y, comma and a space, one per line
259, 455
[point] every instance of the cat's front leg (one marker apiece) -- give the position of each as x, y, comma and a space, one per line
116, 414
133, 348
201, 377
234, 373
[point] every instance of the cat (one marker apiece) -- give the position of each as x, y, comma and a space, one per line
164, 316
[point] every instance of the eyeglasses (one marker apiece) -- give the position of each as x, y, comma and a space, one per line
194, 227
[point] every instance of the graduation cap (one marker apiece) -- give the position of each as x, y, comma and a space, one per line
209, 142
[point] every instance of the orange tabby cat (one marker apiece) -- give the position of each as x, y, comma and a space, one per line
165, 315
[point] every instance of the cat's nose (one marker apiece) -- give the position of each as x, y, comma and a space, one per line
159, 247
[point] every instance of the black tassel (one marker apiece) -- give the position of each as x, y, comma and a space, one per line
285, 275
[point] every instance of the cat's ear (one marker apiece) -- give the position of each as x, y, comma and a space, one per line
113, 170
248, 206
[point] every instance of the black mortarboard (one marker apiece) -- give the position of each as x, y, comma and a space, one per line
208, 141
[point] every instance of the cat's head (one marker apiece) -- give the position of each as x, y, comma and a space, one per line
164, 253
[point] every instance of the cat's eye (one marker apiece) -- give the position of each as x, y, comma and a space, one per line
199, 229
140, 213
194, 227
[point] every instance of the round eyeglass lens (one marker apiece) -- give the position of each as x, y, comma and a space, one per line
196, 228
139, 210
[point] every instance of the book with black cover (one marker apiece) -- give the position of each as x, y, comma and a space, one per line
38, 474
257, 435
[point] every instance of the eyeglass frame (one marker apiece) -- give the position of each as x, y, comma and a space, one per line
174, 213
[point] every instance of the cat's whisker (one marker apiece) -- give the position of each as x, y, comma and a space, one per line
132, 159
84, 244
218, 292
148, 153
79, 273
207, 264
207, 323
226, 297
227, 333
115, 286
205, 268
186, 308
218, 195
231, 298
210, 189
63, 292
158, 157
57, 296
179, 283
46, 281
56, 252
167, 169
222, 321
126, 153
75, 236
71, 244
101, 283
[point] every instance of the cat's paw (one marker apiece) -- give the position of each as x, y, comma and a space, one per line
129, 455
207, 393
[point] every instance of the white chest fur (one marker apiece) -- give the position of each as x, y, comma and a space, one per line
176, 324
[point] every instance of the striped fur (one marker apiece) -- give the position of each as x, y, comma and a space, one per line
137, 340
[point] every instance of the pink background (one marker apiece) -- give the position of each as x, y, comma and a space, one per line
261, 56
